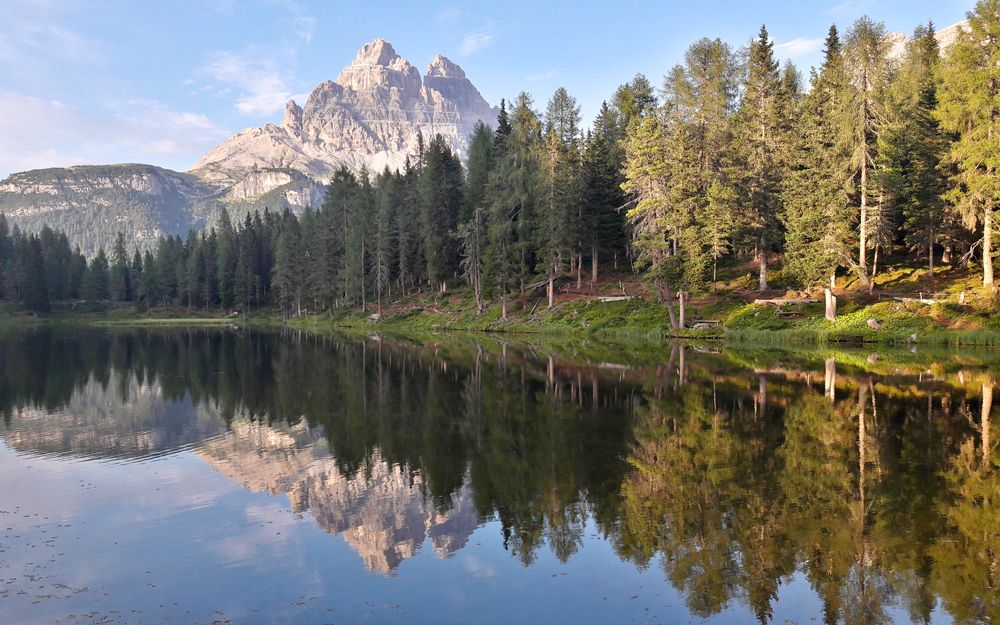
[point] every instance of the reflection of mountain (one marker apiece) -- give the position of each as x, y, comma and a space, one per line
123, 418
382, 512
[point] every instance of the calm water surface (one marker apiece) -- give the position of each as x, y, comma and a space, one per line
174, 476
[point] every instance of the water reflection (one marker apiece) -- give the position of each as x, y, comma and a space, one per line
382, 512
873, 478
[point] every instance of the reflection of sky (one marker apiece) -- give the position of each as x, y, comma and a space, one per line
169, 536
173, 538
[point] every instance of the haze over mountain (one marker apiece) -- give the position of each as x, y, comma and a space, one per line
370, 117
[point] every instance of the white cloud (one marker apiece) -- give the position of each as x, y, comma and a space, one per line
222, 6
47, 133
849, 8
256, 75
473, 42
260, 74
33, 42
540, 76
303, 24
449, 15
798, 47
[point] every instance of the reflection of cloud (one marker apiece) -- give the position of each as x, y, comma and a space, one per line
798, 47
270, 527
473, 42
476, 568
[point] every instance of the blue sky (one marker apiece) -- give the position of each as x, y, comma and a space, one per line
109, 81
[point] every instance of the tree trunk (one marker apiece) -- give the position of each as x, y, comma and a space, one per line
984, 421
762, 397
863, 236
593, 265
831, 305
871, 283
930, 256
594, 393
762, 280
988, 246
681, 301
551, 288
668, 298
830, 378
579, 271
503, 306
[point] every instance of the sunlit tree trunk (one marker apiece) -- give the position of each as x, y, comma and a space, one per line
988, 246
830, 379
984, 421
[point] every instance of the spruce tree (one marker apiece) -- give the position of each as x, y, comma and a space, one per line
479, 165
561, 189
603, 223
388, 197
34, 294
440, 187
337, 213
119, 279
95, 284
868, 73
761, 133
227, 254
472, 238
913, 147
288, 267
970, 106
816, 211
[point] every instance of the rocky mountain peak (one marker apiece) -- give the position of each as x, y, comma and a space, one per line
378, 66
377, 52
945, 37
443, 67
293, 117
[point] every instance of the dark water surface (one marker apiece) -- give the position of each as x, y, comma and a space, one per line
182, 476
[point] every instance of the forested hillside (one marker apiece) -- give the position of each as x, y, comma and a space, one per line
734, 158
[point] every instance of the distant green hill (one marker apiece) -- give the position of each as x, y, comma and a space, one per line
92, 203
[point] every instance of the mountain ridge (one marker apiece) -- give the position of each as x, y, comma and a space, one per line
370, 117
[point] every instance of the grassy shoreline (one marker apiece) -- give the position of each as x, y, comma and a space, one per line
962, 315
625, 321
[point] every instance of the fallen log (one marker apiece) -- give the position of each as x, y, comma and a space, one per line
778, 301
920, 300
615, 298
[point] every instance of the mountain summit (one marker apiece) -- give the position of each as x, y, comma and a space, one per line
370, 116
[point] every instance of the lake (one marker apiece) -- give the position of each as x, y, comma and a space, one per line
224, 476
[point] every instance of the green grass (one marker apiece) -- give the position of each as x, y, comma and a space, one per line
426, 313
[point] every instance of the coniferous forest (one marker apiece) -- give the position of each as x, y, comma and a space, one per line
733, 157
